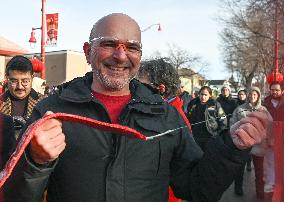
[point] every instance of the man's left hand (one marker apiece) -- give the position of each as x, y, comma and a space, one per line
250, 130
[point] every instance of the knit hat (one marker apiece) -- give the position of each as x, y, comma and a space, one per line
226, 86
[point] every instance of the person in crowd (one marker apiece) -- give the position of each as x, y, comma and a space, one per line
157, 73
78, 163
227, 102
206, 117
275, 105
185, 96
195, 92
165, 79
253, 103
241, 99
20, 98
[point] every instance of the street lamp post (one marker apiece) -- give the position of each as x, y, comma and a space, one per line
276, 45
39, 66
150, 26
275, 75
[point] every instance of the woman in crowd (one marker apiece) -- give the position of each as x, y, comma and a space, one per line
253, 103
206, 116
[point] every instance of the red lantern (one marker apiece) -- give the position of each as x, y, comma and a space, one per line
32, 39
274, 77
37, 65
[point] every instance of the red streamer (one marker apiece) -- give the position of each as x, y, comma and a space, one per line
29, 133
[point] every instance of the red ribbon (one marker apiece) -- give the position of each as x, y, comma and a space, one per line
29, 133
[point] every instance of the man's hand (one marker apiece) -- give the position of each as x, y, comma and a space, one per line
48, 142
250, 130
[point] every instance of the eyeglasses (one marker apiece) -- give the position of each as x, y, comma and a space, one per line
112, 44
15, 82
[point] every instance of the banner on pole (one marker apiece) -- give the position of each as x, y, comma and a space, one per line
51, 29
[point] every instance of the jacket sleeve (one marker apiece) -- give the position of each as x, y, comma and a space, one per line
190, 107
28, 181
204, 178
235, 116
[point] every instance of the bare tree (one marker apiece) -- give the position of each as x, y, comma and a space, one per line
248, 38
181, 58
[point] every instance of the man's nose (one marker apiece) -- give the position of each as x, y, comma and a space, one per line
20, 85
120, 52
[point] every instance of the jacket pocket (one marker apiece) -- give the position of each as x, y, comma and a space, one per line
150, 158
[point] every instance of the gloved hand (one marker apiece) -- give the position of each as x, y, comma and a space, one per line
251, 130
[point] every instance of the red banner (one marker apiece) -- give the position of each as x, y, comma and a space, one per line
51, 29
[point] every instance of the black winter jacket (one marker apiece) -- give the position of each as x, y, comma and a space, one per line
106, 167
228, 104
202, 127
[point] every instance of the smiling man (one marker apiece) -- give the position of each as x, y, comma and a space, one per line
20, 98
78, 163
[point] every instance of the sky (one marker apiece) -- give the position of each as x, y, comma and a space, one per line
189, 24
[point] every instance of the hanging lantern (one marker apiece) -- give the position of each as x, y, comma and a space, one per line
271, 77
32, 38
37, 65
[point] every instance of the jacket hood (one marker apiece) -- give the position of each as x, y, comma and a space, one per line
79, 90
258, 104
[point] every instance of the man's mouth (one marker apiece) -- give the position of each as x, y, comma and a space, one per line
19, 91
118, 69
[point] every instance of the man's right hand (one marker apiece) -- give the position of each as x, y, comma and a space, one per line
48, 142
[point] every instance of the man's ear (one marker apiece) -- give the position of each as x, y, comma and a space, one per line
162, 88
87, 49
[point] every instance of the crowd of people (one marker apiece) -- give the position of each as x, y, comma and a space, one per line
212, 139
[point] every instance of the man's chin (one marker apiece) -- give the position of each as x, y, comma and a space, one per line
117, 85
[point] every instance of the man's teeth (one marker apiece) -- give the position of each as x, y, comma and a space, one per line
116, 68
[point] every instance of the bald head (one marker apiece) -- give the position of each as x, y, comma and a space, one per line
116, 25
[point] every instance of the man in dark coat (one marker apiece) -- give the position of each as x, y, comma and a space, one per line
242, 97
78, 163
20, 98
227, 102
275, 105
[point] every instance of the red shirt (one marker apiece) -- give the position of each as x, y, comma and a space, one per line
113, 104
